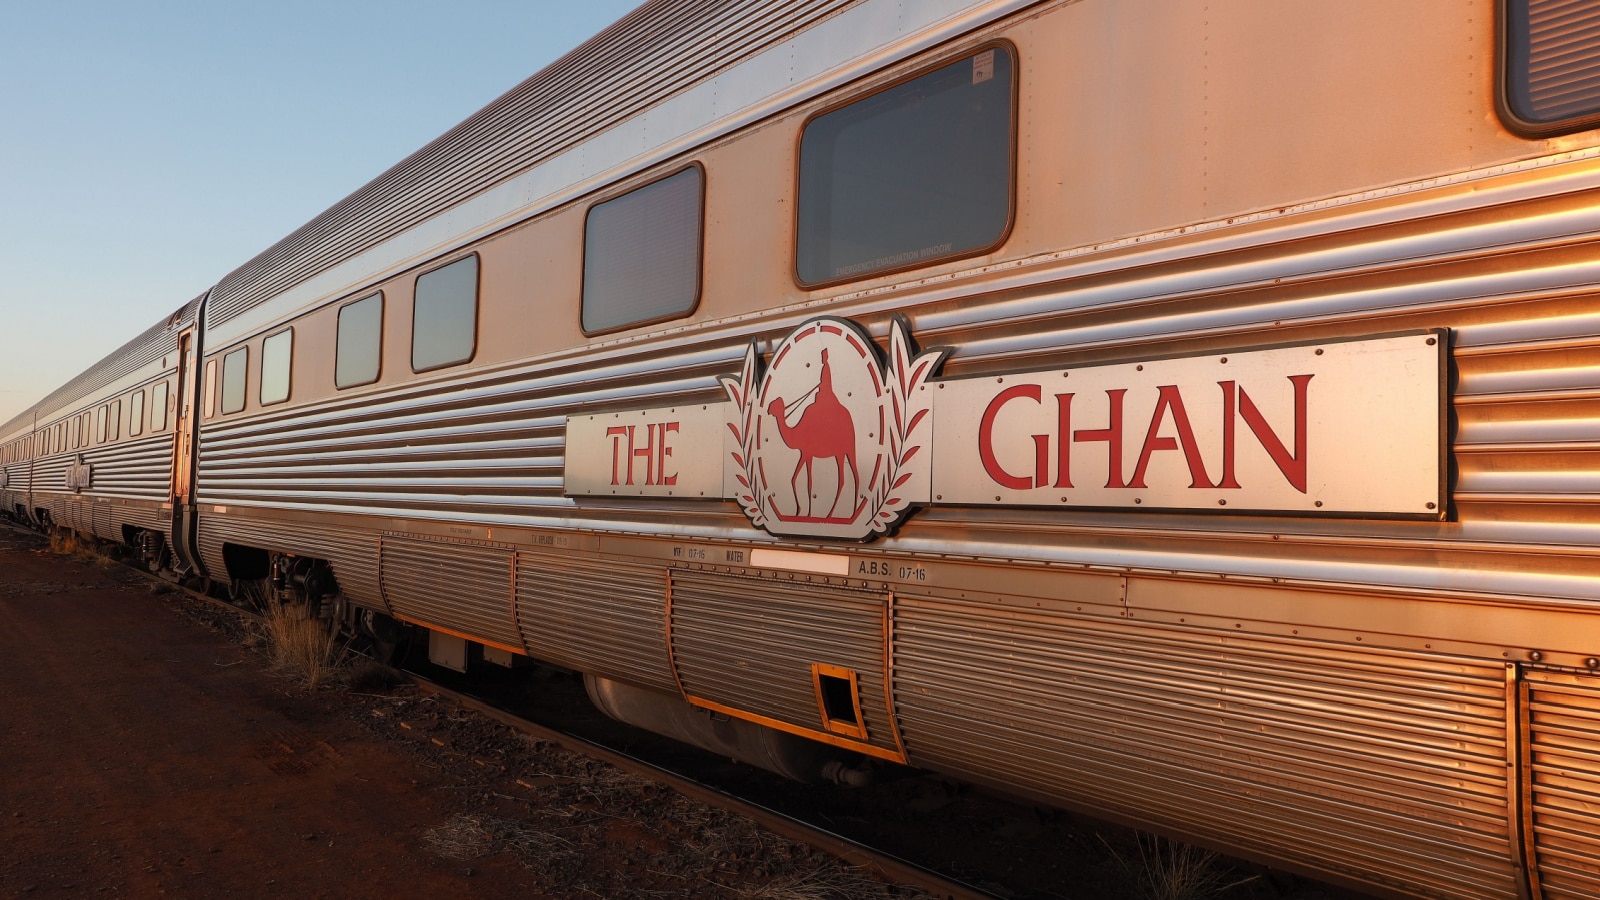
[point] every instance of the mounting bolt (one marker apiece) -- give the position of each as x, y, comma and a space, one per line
1592, 663
1535, 655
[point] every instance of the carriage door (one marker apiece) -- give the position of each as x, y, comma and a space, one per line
183, 445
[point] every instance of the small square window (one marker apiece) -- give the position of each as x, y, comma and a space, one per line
277, 356
158, 405
444, 325
233, 379
359, 355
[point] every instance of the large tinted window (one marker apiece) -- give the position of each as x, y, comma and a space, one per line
359, 355
444, 326
233, 379
909, 175
277, 354
1552, 60
641, 254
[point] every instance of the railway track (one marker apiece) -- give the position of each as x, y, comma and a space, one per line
885, 865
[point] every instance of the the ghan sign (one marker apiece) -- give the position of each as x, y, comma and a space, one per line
833, 437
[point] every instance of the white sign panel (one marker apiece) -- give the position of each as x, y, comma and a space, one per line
836, 437
1345, 427
673, 451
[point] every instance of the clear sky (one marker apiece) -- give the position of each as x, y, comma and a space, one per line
149, 148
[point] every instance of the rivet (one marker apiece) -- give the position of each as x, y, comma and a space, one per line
1319, 351
1137, 500
1222, 503
1430, 504
1592, 663
1535, 655
1319, 502
1432, 341
1063, 499
997, 497
1138, 368
999, 381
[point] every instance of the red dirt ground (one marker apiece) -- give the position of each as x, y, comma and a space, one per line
146, 752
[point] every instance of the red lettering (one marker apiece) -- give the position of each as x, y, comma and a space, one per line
1172, 400
1112, 435
1228, 479
1292, 467
991, 464
647, 452
617, 433
661, 463
1064, 446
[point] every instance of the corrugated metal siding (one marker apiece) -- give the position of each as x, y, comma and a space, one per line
138, 469
1387, 767
592, 614
353, 554
462, 587
1564, 737
1563, 76
749, 643
658, 50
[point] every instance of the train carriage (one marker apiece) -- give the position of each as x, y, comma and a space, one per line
1184, 412
97, 455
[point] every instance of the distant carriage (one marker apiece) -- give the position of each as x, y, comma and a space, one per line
1216, 450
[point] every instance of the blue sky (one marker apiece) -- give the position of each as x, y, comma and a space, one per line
149, 148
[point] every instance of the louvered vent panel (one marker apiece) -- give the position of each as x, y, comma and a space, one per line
1284, 748
749, 643
1565, 769
597, 615
616, 74
352, 553
463, 587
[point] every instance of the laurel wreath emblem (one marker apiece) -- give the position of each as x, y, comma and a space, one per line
903, 379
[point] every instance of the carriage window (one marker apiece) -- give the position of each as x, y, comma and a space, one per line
911, 175
360, 349
158, 404
136, 413
641, 254
444, 324
211, 388
277, 352
1552, 65
114, 420
233, 379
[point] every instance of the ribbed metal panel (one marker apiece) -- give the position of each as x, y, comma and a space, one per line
1389, 768
463, 587
352, 553
658, 50
1563, 58
1564, 768
138, 469
749, 644
100, 512
606, 616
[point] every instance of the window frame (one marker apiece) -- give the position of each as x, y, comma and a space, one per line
383, 321
617, 193
477, 310
114, 420
261, 380
210, 386
136, 413
164, 390
1504, 105
244, 389
920, 69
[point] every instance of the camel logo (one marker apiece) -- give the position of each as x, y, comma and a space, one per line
832, 440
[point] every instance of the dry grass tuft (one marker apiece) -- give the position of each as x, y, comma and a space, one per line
1168, 870
66, 542
826, 883
300, 645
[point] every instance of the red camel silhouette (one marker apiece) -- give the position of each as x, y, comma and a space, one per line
825, 431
